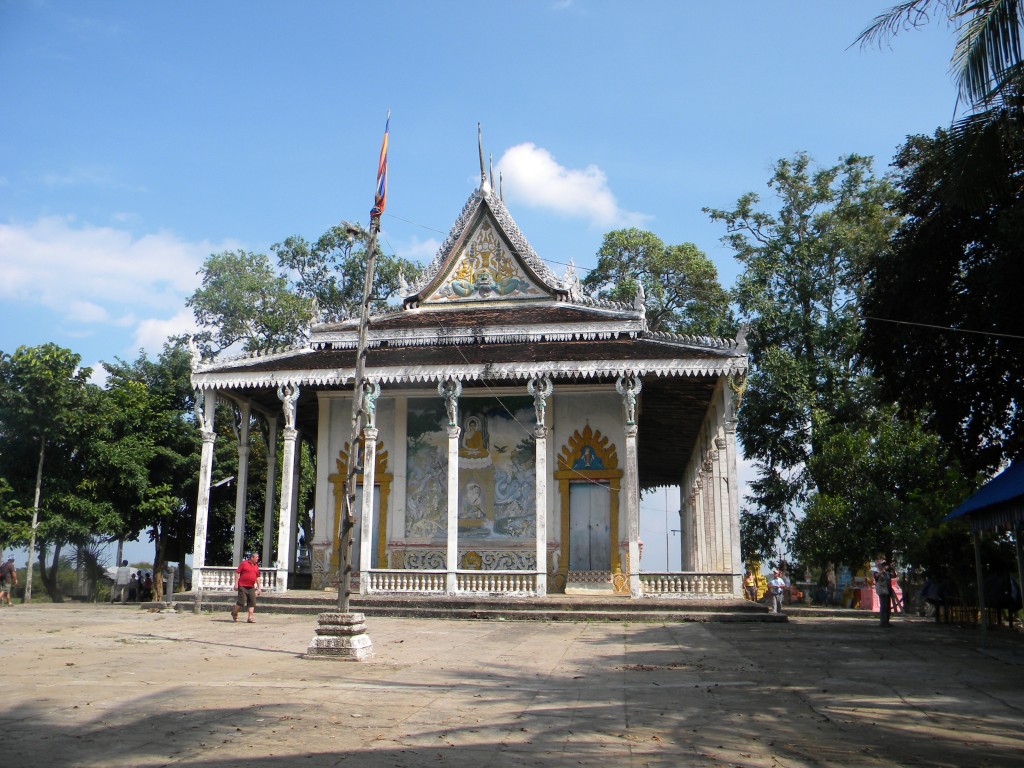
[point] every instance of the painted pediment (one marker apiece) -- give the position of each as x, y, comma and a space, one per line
484, 269
484, 259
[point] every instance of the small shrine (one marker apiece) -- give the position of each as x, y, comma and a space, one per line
512, 424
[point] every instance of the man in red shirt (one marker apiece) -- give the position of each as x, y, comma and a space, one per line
247, 582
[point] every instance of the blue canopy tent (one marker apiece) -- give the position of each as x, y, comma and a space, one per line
997, 505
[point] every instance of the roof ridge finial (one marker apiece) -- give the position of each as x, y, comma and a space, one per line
484, 186
490, 168
501, 186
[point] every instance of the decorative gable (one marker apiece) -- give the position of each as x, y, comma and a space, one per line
483, 268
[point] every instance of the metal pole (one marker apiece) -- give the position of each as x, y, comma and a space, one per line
976, 535
348, 521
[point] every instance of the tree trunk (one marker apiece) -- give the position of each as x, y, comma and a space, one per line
35, 523
49, 577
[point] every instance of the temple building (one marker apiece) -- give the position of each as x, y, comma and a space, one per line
512, 424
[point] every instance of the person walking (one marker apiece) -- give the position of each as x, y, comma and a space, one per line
776, 587
883, 589
247, 582
8, 580
121, 579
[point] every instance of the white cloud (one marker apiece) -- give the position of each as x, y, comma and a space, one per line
531, 175
151, 334
94, 279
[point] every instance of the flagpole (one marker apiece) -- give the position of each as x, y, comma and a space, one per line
348, 521
358, 412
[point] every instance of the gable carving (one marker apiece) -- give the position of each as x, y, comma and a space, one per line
484, 269
589, 450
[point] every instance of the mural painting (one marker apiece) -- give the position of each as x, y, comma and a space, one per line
496, 469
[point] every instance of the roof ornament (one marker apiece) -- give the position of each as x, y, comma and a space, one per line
640, 304
490, 168
403, 284
741, 337
194, 355
571, 281
485, 186
501, 187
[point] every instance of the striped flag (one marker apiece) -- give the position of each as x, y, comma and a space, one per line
381, 198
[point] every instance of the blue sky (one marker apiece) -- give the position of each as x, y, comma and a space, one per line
138, 138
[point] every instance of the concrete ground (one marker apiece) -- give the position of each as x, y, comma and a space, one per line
111, 686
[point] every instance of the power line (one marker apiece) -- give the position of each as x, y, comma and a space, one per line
944, 328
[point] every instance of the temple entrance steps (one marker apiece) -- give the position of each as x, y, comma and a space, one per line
547, 608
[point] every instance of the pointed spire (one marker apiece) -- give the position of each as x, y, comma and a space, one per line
501, 187
490, 168
484, 186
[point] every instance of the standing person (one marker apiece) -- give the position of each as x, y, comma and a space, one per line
883, 588
121, 579
776, 587
247, 582
8, 580
750, 586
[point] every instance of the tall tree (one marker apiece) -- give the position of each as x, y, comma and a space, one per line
803, 268
944, 331
47, 413
152, 432
680, 283
245, 300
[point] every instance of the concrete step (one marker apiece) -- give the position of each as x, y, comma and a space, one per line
548, 608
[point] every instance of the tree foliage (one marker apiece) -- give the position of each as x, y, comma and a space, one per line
882, 484
986, 58
681, 288
245, 300
803, 267
945, 332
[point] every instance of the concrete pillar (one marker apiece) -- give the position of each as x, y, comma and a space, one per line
633, 511
270, 438
541, 390
289, 396
450, 391
205, 409
367, 520
241, 480
452, 555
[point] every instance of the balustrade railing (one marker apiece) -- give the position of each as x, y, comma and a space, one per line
217, 578
686, 584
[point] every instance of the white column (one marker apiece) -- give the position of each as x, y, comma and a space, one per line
241, 480
629, 387
205, 407
450, 391
541, 487
541, 390
367, 521
633, 511
296, 511
289, 395
452, 557
268, 509
732, 479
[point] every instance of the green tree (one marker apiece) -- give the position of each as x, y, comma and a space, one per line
242, 300
680, 283
332, 270
153, 446
945, 331
48, 413
882, 485
803, 268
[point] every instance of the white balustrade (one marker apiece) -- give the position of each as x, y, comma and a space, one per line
686, 584
214, 578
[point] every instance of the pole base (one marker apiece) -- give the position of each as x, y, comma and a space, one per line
340, 637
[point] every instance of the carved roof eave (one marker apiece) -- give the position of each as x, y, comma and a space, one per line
494, 334
512, 371
462, 227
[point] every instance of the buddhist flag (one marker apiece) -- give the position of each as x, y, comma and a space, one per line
381, 198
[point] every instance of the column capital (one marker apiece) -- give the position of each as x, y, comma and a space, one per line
370, 433
630, 430
208, 436
290, 433
540, 432
454, 432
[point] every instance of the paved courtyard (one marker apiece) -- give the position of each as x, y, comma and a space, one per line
111, 686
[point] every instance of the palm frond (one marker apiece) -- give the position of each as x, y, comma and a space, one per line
910, 14
988, 47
